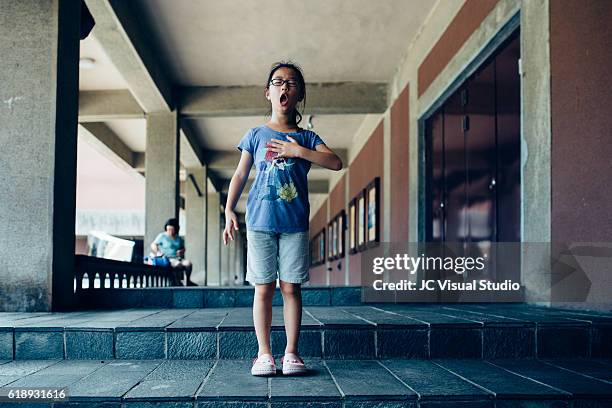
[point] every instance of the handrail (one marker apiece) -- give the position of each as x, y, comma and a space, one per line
98, 274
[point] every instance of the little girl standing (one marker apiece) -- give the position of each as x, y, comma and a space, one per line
278, 210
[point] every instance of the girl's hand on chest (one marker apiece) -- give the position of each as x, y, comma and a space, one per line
285, 149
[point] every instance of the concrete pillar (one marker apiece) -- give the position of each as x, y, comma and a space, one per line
213, 239
161, 173
39, 77
195, 212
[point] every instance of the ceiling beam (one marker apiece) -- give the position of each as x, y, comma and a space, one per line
321, 99
119, 30
99, 106
105, 141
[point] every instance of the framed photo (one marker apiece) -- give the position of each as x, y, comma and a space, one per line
335, 238
361, 221
352, 218
330, 254
373, 213
341, 228
317, 249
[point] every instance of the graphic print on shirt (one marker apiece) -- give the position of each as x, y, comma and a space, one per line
276, 172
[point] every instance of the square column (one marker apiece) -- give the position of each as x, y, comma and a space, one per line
161, 173
39, 48
195, 212
213, 238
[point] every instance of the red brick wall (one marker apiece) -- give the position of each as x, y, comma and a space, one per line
399, 167
467, 20
580, 57
367, 165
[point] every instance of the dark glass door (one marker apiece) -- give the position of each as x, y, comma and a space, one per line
473, 161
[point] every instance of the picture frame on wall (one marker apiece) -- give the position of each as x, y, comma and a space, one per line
373, 213
341, 233
361, 219
335, 238
352, 231
330, 254
317, 249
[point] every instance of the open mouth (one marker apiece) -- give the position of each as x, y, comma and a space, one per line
284, 99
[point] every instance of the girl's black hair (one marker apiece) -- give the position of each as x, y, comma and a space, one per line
300, 77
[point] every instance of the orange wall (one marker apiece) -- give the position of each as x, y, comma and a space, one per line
367, 164
580, 58
468, 19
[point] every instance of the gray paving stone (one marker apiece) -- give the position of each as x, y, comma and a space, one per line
402, 343
244, 297
456, 404
238, 319
37, 345
101, 404
201, 320
433, 383
508, 342
156, 321
310, 343
601, 341
7, 379
56, 381
89, 344
593, 368
306, 404
455, 343
157, 404
337, 318
278, 322
237, 344
220, 298
6, 344
181, 370
316, 297
157, 297
366, 379
349, 343
224, 377
187, 298
143, 345
505, 385
554, 342
383, 319
574, 383
231, 404
163, 390
192, 345
345, 296
316, 385
124, 374
20, 368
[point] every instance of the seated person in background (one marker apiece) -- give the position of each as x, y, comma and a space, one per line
171, 245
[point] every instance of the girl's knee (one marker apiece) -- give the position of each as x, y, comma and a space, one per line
265, 291
290, 289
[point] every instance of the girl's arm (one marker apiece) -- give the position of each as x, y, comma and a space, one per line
322, 156
235, 189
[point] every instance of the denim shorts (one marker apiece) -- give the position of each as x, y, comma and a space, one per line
272, 255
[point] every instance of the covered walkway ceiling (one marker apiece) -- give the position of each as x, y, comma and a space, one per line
210, 59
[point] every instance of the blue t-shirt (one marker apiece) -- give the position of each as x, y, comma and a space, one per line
278, 200
169, 246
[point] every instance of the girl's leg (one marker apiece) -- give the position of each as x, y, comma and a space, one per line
262, 315
292, 313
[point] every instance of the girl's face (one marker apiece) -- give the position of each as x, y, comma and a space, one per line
286, 96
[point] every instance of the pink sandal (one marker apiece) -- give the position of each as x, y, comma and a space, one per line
293, 365
263, 365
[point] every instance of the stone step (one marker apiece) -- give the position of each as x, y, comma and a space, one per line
329, 382
474, 331
209, 297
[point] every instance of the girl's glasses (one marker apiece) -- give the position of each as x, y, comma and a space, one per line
291, 83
